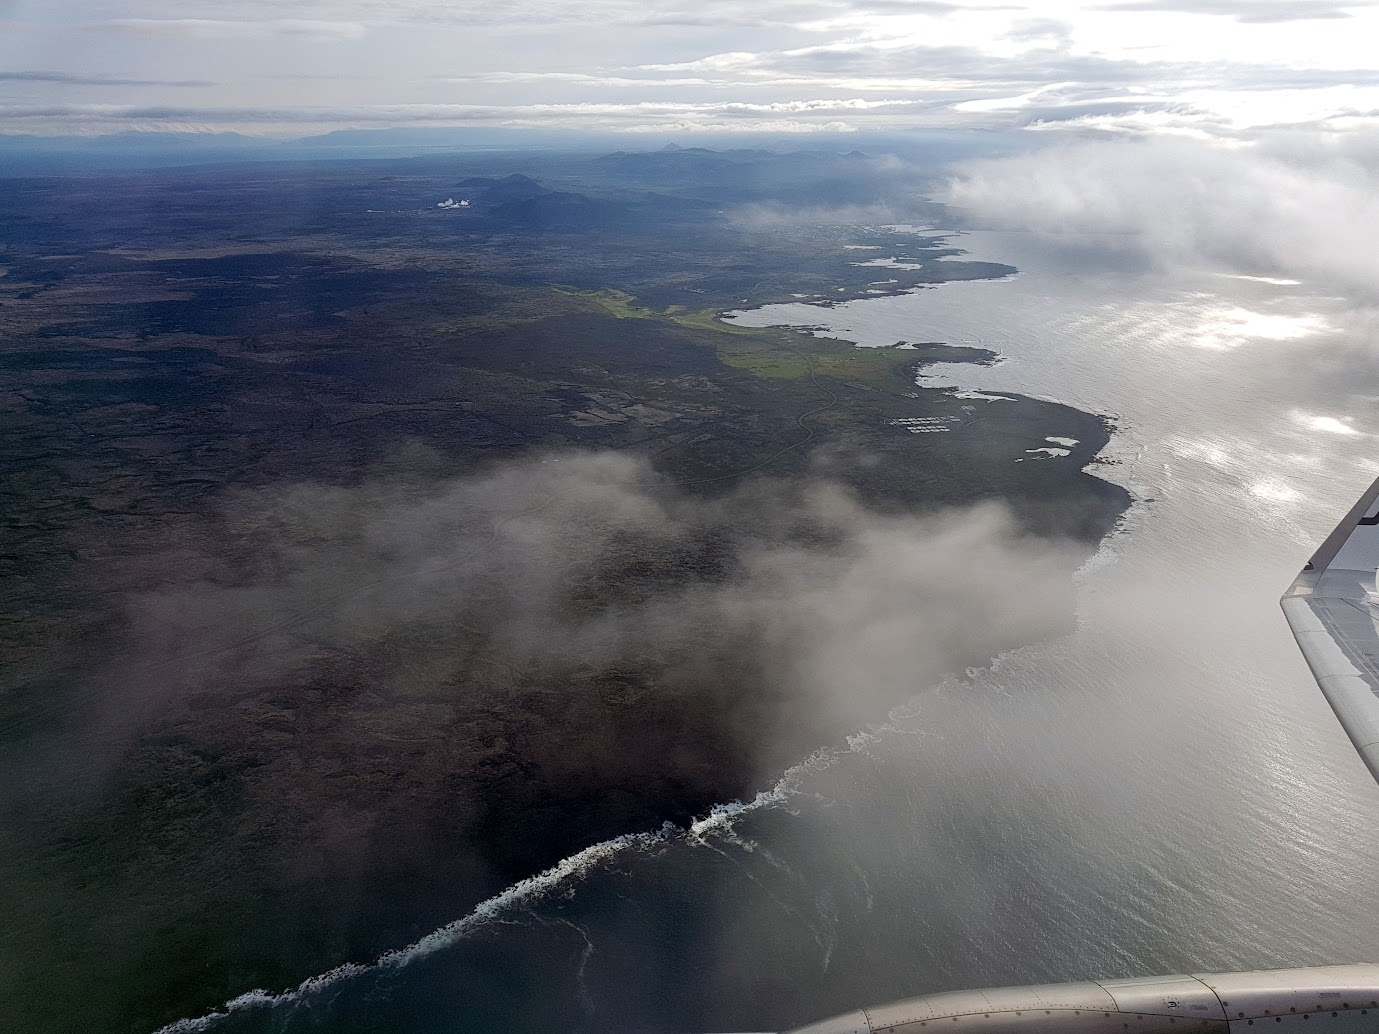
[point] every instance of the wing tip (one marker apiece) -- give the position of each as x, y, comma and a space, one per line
1332, 544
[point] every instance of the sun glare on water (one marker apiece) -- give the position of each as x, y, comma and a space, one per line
1229, 328
1275, 492
1329, 424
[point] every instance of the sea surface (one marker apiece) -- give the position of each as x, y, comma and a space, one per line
1163, 790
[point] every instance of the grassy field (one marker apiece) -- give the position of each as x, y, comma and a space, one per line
771, 352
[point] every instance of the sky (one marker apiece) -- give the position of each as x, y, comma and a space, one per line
1213, 69
1221, 134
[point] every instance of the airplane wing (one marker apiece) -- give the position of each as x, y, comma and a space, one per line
1332, 998
1333, 609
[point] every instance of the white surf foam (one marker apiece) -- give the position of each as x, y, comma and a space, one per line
719, 820
972, 393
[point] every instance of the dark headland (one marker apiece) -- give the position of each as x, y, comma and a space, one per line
307, 648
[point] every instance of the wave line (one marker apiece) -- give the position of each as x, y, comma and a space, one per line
719, 819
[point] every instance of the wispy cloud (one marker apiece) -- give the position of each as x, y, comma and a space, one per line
811, 612
69, 79
1258, 11
1144, 66
215, 29
813, 115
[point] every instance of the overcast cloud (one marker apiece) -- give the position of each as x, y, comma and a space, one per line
300, 66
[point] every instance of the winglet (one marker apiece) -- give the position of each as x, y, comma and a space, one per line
1331, 609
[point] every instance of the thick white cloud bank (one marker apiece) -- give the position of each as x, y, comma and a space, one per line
1297, 205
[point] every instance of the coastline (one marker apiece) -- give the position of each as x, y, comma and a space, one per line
1093, 434
295, 791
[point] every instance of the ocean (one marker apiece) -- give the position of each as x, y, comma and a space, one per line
1162, 790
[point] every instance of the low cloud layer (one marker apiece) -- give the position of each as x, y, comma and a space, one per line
1303, 204
777, 604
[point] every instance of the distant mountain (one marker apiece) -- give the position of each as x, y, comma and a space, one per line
676, 160
144, 141
519, 200
419, 140
819, 178
491, 190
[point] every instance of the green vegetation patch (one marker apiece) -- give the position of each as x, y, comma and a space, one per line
842, 362
616, 303
774, 353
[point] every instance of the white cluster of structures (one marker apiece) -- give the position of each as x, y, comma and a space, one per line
450, 202
925, 424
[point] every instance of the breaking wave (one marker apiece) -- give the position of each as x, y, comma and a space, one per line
718, 821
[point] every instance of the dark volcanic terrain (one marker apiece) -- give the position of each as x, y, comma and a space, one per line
343, 533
